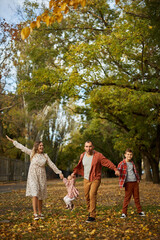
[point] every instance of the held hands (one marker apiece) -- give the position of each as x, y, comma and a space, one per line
9, 138
72, 175
61, 176
117, 173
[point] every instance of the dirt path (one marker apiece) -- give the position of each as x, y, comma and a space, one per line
9, 187
13, 186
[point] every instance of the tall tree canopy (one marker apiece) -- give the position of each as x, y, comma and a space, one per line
104, 60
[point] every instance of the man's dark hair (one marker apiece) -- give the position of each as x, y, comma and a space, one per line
88, 141
129, 150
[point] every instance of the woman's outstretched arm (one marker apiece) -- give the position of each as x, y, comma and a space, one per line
53, 166
20, 146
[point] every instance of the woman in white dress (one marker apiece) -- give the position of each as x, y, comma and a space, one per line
36, 180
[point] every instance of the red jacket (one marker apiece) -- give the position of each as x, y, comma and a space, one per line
97, 162
122, 167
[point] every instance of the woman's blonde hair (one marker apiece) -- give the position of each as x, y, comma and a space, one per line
35, 148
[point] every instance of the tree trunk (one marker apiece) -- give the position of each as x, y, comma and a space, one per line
139, 166
1, 136
26, 157
155, 161
147, 169
156, 178
155, 169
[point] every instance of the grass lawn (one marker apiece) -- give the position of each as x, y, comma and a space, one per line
16, 217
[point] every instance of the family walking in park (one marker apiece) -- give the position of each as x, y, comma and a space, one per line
90, 167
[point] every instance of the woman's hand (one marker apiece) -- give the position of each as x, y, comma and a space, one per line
9, 138
61, 176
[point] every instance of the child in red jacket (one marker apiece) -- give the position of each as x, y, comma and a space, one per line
129, 179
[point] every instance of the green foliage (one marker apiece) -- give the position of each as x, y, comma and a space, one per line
97, 131
109, 60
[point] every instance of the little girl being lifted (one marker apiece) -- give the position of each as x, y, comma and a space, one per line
72, 192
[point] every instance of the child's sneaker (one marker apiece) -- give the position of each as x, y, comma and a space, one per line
123, 215
36, 217
142, 214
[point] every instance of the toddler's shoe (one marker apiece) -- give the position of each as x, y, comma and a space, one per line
71, 206
41, 216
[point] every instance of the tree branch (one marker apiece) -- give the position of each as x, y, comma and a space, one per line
71, 28
127, 86
137, 15
116, 121
9, 107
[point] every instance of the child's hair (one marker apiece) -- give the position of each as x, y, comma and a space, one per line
129, 150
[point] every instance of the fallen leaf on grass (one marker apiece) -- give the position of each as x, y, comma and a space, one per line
93, 232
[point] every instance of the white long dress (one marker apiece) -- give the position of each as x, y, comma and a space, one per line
36, 180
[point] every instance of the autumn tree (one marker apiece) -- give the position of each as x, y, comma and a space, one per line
118, 70
40, 74
9, 101
109, 58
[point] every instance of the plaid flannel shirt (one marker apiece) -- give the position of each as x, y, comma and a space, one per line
122, 167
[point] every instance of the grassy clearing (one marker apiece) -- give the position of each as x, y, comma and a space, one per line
16, 221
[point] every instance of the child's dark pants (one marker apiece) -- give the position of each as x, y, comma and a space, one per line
131, 188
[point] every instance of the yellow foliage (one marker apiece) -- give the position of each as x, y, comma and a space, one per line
45, 13
59, 17
52, 19
38, 21
71, 3
51, 4
58, 7
93, 232
83, 3
25, 33
33, 25
63, 6
75, 5
66, 10
80, 226
47, 20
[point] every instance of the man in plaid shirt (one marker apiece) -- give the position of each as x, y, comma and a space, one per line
129, 179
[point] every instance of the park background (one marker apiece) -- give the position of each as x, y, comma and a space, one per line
85, 70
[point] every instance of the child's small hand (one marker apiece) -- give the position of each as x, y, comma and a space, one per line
69, 177
72, 175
